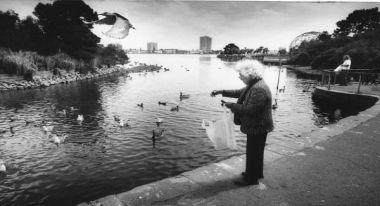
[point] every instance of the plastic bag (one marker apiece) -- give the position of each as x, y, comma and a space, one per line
221, 132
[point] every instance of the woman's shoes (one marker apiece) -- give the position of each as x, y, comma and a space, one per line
245, 182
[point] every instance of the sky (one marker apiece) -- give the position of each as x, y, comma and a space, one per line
179, 24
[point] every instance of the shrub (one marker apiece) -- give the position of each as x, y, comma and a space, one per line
16, 63
302, 59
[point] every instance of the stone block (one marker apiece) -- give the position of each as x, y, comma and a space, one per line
282, 150
158, 191
209, 175
270, 156
110, 200
234, 165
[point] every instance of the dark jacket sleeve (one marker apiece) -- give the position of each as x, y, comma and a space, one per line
255, 103
232, 93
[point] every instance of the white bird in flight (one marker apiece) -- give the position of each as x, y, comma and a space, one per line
120, 25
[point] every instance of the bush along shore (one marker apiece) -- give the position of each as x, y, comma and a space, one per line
67, 77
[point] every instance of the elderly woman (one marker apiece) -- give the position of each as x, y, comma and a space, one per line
253, 112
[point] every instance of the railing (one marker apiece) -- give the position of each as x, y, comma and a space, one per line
361, 76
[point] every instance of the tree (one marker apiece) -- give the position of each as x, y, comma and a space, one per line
259, 50
324, 36
265, 51
9, 23
112, 54
281, 51
358, 22
31, 36
231, 49
64, 29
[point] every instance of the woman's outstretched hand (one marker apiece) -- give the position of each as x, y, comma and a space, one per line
216, 92
226, 104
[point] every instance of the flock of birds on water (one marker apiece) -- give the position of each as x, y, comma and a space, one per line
56, 139
47, 128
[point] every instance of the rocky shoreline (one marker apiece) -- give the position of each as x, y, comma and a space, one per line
67, 77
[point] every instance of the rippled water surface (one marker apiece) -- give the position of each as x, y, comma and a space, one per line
100, 158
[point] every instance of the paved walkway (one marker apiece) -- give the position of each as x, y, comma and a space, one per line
344, 170
336, 165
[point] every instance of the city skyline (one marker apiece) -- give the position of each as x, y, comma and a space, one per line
179, 24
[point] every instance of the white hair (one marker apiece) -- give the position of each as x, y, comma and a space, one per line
250, 68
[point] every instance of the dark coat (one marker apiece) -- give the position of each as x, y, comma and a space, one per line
254, 111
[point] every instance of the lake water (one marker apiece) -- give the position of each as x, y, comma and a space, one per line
100, 158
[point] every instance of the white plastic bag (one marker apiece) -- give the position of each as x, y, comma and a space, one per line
221, 132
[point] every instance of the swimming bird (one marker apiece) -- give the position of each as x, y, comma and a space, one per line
120, 25
166, 69
124, 124
275, 106
13, 118
158, 132
63, 112
47, 128
116, 118
140, 105
2, 166
80, 117
53, 107
161, 103
159, 120
183, 96
11, 129
58, 139
29, 121
73, 109
282, 89
306, 89
175, 108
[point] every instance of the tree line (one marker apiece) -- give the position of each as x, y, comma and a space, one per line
57, 29
232, 49
358, 35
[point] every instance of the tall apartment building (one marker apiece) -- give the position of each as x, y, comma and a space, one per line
151, 47
205, 43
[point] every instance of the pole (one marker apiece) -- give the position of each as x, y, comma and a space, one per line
360, 82
329, 80
278, 78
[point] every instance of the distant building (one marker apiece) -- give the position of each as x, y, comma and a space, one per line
205, 44
169, 51
151, 47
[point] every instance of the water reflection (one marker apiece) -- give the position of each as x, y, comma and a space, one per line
204, 59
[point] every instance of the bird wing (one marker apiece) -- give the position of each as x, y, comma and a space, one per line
120, 29
108, 20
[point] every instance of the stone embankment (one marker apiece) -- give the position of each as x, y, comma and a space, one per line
67, 77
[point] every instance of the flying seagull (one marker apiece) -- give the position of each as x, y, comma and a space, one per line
120, 25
